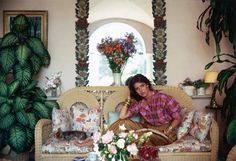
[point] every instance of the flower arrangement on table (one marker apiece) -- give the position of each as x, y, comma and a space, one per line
118, 147
53, 82
117, 51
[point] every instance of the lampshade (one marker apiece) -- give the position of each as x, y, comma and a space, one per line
211, 77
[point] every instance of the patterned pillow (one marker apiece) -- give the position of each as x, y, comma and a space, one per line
84, 118
201, 125
186, 124
60, 119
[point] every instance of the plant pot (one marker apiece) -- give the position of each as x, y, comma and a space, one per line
189, 90
200, 91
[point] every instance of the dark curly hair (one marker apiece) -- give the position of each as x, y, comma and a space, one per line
140, 79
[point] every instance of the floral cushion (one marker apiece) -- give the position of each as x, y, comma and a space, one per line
186, 124
187, 144
84, 118
201, 125
60, 119
58, 145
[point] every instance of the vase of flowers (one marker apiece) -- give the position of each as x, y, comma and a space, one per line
117, 51
118, 147
53, 84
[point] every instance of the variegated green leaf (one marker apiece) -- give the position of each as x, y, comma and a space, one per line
17, 138
9, 39
7, 121
36, 63
22, 54
42, 110
33, 120
23, 74
7, 59
37, 46
30, 139
20, 103
13, 87
22, 117
52, 104
3, 89
5, 109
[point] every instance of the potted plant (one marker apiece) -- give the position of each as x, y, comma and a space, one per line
188, 86
22, 103
219, 18
200, 86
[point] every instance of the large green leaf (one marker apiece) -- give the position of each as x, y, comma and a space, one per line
3, 89
5, 109
7, 121
17, 138
20, 103
7, 59
3, 99
42, 110
22, 54
33, 120
37, 46
22, 118
30, 139
39, 95
20, 24
12, 88
36, 63
23, 74
52, 104
231, 133
30, 86
9, 40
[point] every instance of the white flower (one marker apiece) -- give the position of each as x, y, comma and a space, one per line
132, 149
121, 143
122, 127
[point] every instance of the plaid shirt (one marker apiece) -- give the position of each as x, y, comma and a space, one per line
162, 109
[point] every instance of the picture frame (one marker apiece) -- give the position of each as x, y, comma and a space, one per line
38, 22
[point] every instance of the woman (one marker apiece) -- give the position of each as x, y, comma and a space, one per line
158, 111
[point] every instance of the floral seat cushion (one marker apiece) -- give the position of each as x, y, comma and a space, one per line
187, 143
56, 145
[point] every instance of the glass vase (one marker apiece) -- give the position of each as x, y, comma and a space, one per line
117, 79
54, 92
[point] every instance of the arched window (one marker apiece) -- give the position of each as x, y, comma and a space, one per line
100, 73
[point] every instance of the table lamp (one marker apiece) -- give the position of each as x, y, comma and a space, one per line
211, 78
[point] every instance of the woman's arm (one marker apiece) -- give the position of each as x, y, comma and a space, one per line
174, 124
124, 113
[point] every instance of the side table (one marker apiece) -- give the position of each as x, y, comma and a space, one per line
216, 109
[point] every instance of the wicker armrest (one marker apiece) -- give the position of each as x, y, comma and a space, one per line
214, 134
43, 129
232, 154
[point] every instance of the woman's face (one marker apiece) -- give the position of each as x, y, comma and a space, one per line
142, 89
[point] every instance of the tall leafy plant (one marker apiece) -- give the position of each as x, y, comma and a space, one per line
22, 103
220, 19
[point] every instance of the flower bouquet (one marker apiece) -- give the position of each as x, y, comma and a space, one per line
53, 82
117, 51
118, 147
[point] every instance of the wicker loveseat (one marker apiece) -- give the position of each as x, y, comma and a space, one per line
108, 98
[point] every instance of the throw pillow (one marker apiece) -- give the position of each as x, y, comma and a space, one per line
60, 119
201, 125
84, 118
186, 124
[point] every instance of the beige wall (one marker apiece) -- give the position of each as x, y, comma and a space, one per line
187, 50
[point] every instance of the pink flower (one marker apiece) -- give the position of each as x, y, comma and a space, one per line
132, 149
112, 149
107, 138
96, 136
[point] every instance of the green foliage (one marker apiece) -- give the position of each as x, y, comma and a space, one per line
219, 18
22, 103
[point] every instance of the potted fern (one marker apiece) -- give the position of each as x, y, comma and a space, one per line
219, 18
22, 103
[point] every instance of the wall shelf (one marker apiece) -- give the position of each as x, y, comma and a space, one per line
201, 96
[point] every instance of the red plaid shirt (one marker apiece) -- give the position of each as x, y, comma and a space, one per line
162, 109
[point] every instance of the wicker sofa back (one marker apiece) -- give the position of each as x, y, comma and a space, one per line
108, 98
